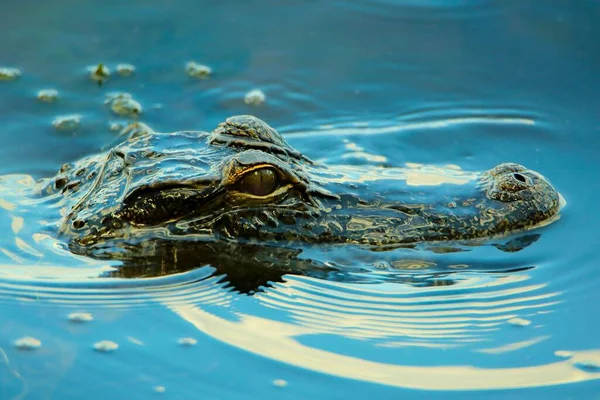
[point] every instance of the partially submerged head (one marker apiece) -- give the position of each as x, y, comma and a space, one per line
243, 182
527, 197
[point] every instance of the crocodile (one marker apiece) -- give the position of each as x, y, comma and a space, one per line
244, 183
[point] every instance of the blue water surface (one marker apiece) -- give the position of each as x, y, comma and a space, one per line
379, 82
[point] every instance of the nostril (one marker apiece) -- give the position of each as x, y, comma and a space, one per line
520, 177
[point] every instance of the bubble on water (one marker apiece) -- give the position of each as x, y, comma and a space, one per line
99, 72
47, 95
116, 126
28, 343
105, 346
280, 383
123, 104
196, 70
66, 122
125, 69
563, 354
80, 317
519, 322
187, 341
159, 389
9, 74
135, 129
382, 265
255, 97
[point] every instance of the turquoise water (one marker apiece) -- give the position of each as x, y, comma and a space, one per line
438, 83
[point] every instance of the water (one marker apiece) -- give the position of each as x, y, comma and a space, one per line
471, 84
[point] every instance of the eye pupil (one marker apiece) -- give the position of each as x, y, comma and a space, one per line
520, 178
260, 182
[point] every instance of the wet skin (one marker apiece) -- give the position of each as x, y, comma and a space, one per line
244, 185
243, 182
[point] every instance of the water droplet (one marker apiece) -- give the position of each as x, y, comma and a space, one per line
105, 346
255, 97
28, 343
519, 322
135, 129
123, 104
280, 383
99, 73
382, 265
125, 69
198, 70
9, 74
187, 341
47, 95
80, 317
563, 354
67, 122
115, 126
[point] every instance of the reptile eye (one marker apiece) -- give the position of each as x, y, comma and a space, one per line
260, 182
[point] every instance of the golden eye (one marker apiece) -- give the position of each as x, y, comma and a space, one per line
260, 182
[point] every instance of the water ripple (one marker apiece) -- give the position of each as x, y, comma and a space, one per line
420, 120
431, 11
196, 286
414, 315
356, 312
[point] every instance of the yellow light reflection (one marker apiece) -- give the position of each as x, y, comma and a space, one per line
275, 340
513, 346
413, 174
17, 224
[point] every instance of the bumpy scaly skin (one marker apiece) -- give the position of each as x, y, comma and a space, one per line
186, 185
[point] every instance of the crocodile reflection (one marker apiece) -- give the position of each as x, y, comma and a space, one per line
248, 268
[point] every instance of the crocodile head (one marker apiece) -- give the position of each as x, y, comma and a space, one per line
244, 183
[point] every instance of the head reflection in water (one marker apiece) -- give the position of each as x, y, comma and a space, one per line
159, 196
